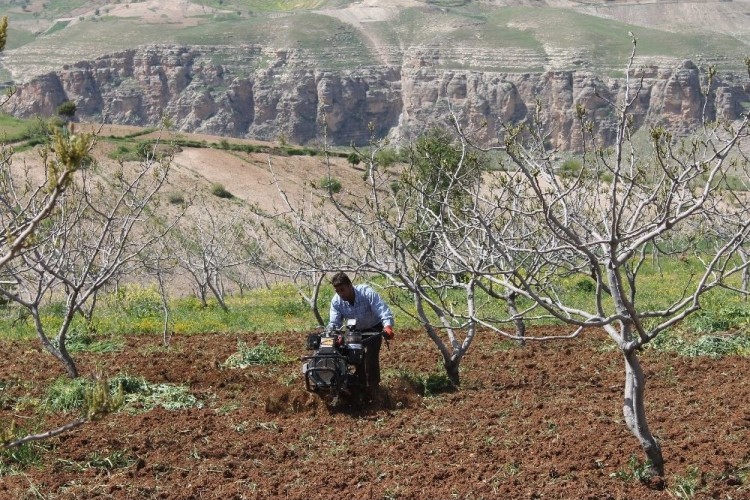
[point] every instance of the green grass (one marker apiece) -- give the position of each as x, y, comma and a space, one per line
476, 28
332, 42
261, 354
606, 40
69, 395
138, 310
59, 8
15, 129
16, 460
18, 38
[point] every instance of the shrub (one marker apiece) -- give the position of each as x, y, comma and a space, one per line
585, 285
353, 158
570, 168
138, 301
218, 189
386, 157
176, 199
330, 184
66, 109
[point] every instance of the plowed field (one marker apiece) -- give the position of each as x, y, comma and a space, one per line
542, 421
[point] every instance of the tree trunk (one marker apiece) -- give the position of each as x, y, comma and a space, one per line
67, 361
520, 325
60, 353
635, 412
451, 370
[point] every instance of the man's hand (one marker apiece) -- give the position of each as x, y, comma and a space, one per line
388, 332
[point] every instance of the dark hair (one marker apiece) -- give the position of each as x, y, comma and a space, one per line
340, 278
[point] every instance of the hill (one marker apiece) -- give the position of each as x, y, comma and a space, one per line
521, 35
268, 70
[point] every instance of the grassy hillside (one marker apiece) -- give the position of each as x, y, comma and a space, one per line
501, 36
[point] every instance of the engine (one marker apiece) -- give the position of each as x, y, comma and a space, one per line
336, 366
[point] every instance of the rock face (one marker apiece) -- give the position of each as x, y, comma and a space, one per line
265, 94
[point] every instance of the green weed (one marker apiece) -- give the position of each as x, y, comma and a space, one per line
714, 346
637, 470
427, 384
14, 460
262, 354
137, 301
66, 394
685, 487
141, 395
83, 338
717, 316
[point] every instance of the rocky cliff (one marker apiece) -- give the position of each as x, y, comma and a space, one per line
260, 93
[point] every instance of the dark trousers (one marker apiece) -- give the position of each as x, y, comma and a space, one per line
372, 361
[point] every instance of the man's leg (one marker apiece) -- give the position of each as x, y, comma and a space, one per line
372, 363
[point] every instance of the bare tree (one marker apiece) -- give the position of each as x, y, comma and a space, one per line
211, 244
25, 202
28, 207
95, 233
607, 221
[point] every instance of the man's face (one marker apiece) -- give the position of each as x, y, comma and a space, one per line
346, 292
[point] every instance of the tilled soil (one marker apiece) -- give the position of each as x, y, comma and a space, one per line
540, 421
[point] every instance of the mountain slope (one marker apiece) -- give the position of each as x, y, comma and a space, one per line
501, 35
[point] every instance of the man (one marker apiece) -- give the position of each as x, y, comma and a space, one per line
364, 305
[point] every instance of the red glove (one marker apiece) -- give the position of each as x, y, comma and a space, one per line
388, 332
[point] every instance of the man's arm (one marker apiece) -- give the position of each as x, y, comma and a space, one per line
334, 317
380, 308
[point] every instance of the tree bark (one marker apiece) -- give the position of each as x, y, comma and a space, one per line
635, 412
451, 370
520, 325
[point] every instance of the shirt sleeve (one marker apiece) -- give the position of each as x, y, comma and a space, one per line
379, 306
334, 315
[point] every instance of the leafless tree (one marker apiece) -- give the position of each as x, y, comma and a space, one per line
210, 244
29, 208
26, 202
97, 230
606, 222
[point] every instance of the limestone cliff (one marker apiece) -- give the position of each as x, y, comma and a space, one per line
261, 93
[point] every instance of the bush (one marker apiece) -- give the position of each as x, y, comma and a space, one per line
138, 301
330, 184
353, 158
386, 157
218, 189
66, 109
570, 168
176, 199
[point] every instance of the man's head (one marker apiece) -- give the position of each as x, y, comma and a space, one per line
343, 286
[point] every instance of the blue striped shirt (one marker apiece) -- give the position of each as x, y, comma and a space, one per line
368, 309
